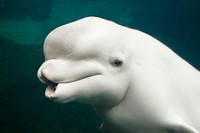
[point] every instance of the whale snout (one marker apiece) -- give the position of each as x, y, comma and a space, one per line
57, 72
62, 71
43, 77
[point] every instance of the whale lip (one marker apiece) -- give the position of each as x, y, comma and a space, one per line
51, 89
81, 78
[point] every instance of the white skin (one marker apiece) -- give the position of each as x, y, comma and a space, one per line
135, 83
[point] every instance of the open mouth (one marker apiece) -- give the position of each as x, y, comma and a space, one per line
52, 87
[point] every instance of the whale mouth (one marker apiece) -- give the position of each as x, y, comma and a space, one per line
52, 87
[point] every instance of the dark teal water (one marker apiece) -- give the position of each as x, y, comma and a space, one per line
23, 106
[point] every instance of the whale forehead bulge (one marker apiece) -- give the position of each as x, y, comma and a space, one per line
77, 39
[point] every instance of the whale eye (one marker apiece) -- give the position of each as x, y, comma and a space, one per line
117, 59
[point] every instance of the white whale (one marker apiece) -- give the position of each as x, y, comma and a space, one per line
135, 83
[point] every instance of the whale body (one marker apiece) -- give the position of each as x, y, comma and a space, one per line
135, 83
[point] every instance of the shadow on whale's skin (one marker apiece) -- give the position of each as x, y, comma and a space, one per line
133, 81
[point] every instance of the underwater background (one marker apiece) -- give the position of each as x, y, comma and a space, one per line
24, 24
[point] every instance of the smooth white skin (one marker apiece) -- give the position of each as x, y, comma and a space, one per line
134, 82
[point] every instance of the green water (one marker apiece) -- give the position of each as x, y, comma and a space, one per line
23, 27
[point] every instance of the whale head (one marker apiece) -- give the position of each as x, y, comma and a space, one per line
86, 61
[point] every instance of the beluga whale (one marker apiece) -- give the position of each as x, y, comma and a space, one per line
135, 83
